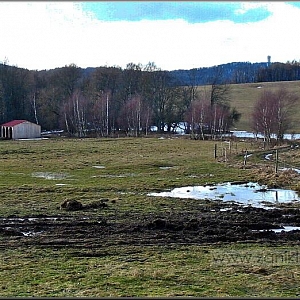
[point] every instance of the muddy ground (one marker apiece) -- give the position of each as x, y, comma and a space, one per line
202, 225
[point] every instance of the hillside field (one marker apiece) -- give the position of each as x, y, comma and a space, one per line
244, 96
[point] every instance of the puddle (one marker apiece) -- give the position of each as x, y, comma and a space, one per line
165, 168
43, 218
285, 229
293, 169
114, 176
268, 156
23, 226
99, 167
12, 220
31, 233
16, 220
250, 193
24, 233
226, 209
50, 175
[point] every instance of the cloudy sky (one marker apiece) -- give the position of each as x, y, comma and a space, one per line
173, 35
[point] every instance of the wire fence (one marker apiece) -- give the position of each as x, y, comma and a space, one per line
225, 150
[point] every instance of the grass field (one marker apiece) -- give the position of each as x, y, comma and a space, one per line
37, 176
244, 96
105, 167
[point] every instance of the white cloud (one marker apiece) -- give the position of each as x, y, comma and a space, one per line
44, 35
246, 6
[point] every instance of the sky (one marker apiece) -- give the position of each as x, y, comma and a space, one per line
173, 35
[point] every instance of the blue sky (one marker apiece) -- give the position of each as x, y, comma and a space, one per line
192, 12
173, 35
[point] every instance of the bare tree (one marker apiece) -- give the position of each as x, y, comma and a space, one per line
219, 105
197, 116
135, 115
284, 107
273, 114
101, 117
75, 111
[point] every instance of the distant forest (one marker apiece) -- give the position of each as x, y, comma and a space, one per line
239, 72
106, 100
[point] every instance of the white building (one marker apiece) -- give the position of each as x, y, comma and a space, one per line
20, 129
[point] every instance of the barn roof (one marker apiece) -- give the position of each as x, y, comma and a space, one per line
13, 123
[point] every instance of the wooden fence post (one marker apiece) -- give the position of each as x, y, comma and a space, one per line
215, 151
245, 158
276, 161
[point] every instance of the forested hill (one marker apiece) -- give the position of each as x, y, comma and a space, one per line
238, 72
235, 72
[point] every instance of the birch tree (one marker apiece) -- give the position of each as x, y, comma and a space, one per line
273, 114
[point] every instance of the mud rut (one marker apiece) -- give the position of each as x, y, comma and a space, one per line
201, 226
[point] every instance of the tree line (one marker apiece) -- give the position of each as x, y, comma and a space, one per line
289, 71
110, 100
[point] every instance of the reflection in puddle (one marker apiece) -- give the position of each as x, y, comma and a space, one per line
244, 193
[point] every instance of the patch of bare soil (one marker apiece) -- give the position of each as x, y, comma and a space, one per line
201, 225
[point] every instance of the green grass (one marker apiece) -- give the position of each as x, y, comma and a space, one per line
132, 167
244, 96
203, 271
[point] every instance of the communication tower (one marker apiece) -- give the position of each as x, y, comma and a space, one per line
269, 60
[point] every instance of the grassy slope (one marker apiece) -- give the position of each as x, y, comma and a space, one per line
244, 96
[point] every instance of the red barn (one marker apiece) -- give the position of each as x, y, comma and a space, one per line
20, 129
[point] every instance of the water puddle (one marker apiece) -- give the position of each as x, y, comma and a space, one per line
19, 231
31, 233
99, 167
43, 219
293, 169
268, 156
115, 176
16, 220
50, 175
27, 226
284, 229
249, 193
